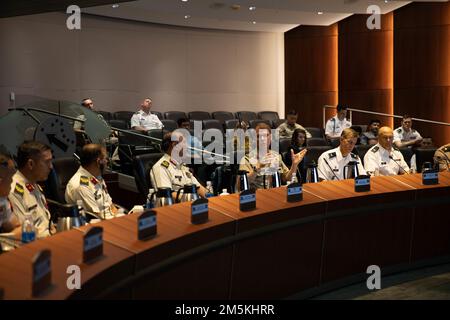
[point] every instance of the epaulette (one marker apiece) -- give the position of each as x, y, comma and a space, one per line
399, 130
332, 155
354, 156
84, 180
19, 189
375, 149
165, 164
395, 147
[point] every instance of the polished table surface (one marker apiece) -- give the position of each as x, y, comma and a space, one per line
275, 251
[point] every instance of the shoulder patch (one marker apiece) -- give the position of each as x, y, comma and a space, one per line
375, 149
332, 155
399, 130
84, 181
354, 156
19, 189
165, 164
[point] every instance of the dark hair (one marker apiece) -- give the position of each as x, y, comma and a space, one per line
295, 137
374, 121
166, 141
292, 112
341, 107
406, 116
29, 150
84, 100
90, 153
4, 159
181, 121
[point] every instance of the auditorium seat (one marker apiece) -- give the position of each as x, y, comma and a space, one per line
316, 142
169, 125
106, 115
212, 123
276, 123
158, 114
316, 132
199, 115
123, 115
142, 165
199, 122
119, 124
222, 116
246, 116
424, 155
268, 115
174, 115
63, 170
407, 154
284, 144
231, 124
314, 153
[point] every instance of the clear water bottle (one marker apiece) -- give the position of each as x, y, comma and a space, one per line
149, 204
209, 189
81, 211
28, 230
224, 192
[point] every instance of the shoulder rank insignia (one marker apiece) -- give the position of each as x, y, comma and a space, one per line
19, 189
375, 149
354, 156
84, 181
332, 155
395, 147
399, 130
94, 181
29, 187
165, 164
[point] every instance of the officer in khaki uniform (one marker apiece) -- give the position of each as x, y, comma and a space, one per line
287, 128
442, 157
34, 161
259, 166
170, 171
8, 221
87, 183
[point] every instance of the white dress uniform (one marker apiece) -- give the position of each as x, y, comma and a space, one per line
5, 211
334, 126
92, 191
167, 173
378, 158
337, 163
27, 199
405, 136
270, 163
149, 121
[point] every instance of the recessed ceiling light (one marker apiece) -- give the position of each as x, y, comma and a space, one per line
254, 22
187, 16
252, 8
320, 12
386, 1
115, 5
184, 0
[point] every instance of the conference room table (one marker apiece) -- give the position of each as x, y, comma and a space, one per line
278, 250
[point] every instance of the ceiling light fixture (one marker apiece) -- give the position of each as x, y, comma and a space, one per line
115, 5
184, 0
252, 8
320, 12
254, 22
187, 16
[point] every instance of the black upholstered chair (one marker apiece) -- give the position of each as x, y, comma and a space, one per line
63, 170
316, 132
142, 165
174, 115
222, 116
199, 115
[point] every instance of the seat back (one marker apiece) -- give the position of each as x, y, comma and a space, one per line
254, 123
276, 123
124, 115
268, 115
174, 115
142, 165
407, 155
316, 132
361, 150
284, 144
222, 116
169, 125
316, 142
314, 153
158, 114
119, 124
246, 116
231, 124
424, 155
199, 115
212, 124
106, 115
63, 170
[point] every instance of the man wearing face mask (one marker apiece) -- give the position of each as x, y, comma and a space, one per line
88, 185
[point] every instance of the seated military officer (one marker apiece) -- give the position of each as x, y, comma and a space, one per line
88, 185
442, 157
170, 171
8, 221
332, 162
406, 136
262, 162
34, 161
384, 158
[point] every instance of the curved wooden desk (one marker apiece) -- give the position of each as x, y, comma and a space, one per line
279, 250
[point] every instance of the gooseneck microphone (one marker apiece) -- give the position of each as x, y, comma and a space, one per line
390, 157
330, 168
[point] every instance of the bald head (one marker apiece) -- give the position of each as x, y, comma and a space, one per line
386, 137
